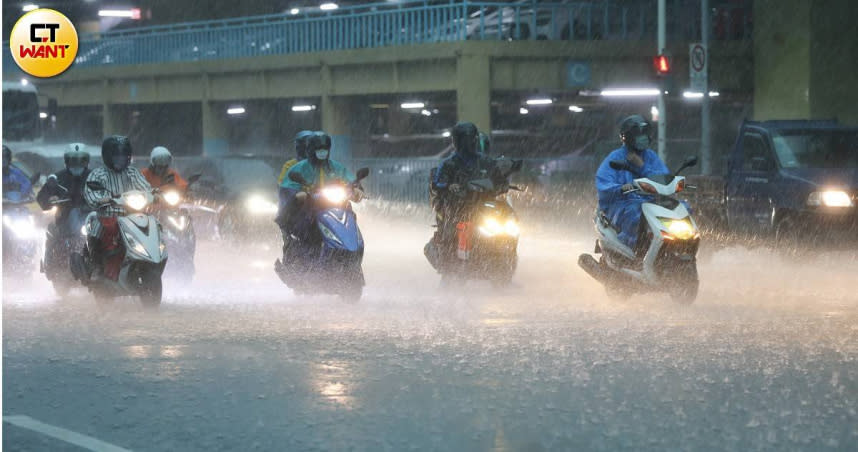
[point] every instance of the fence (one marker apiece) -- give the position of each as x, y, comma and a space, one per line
403, 23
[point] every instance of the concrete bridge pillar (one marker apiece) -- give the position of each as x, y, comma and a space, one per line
473, 90
804, 58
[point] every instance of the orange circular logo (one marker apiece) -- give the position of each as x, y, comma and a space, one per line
43, 43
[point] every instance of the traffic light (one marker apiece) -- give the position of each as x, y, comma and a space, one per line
662, 65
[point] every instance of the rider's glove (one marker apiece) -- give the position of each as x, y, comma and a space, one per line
627, 188
455, 188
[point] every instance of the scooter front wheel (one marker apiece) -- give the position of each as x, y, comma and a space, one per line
684, 288
151, 288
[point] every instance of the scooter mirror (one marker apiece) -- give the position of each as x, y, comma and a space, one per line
362, 173
689, 162
35, 178
298, 178
194, 178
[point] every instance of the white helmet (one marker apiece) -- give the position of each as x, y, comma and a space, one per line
160, 159
77, 147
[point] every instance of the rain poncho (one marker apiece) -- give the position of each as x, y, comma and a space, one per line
624, 211
327, 171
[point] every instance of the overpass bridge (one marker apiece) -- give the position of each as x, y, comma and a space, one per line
352, 72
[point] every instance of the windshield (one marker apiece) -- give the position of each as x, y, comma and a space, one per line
817, 148
20, 115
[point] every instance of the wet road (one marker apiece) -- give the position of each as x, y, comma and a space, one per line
766, 359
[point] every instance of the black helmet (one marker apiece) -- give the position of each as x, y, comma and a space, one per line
485, 144
464, 137
116, 152
301, 143
7, 156
633, 127
317, 142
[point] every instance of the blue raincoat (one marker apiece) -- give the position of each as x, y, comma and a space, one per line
624, 211
16, 184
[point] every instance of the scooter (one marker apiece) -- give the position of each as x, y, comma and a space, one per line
665, 258
178, 229
60, 244
328, 257
143, 251
486, 235
20, 237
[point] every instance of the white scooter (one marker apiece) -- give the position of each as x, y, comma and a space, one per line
143, 249
665, 258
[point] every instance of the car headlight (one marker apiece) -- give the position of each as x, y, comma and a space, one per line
135, 201
678, 229
830, 198
334, 194
179, 223
256, 204
172, 197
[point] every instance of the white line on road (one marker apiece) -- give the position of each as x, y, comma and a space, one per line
87, 442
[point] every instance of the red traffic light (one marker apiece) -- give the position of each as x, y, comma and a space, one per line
662, 64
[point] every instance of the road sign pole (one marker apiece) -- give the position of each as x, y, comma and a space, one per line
705, 136
662, 110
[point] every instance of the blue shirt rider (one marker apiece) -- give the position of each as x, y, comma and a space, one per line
16, 184
624, 210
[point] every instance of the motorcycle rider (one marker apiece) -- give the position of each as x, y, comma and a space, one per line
317, 169
624, 209
66, 184
301, 140
159, 174
14, 180
466, 163
117, 176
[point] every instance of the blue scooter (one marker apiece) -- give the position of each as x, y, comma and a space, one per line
325, 252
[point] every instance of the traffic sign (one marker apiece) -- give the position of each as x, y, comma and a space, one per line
698, 67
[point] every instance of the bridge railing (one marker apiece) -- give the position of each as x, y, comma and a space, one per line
404, 23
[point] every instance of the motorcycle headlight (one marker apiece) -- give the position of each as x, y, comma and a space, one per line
84, 230
678, 229
511, 228
21, 227
172, 197
490, 227
258, 205
830, 198
135, 201
179, 223
334, 194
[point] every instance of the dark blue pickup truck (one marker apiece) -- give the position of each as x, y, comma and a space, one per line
794, 180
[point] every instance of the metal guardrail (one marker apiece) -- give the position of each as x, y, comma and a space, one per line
403, 23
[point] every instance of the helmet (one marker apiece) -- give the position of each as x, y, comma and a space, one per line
318, 146
116, 152
464, 137
635, 132
485, 144
160, 160
76, 159
7, 156
301, 143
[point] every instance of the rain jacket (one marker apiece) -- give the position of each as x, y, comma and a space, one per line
285, 170
16, 181
74, 185
324, 173
624, 211
457, 169
171, 178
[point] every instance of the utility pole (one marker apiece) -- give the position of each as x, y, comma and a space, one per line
662, 111
705, 137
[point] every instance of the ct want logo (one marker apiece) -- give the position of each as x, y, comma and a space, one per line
43, 43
